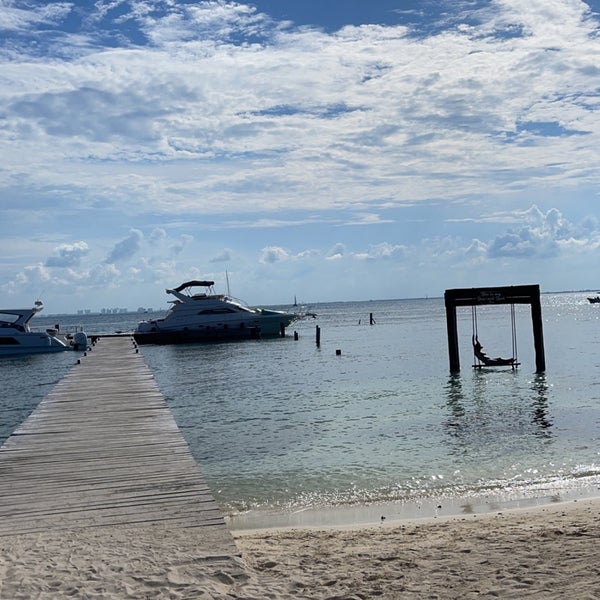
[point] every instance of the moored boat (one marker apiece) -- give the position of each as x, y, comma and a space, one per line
208, 316
17, 337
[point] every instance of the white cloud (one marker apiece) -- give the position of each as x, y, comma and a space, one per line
102, 275
183, 241
385, 251
19, 19
543, 235
337, 252
224, 256
438, 117
126, 248
68, 255
157, 235
273, 254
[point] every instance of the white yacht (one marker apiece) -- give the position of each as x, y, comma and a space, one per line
16, 337
209, 316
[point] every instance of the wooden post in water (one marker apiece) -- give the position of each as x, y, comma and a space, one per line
452, 328
318, 336
371, 319
538, 335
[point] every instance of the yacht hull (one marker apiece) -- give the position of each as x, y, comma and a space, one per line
190, 336
210, 317
21, 350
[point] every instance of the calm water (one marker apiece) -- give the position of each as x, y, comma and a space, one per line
283, 425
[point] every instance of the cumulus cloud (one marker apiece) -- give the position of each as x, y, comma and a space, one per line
222, 257
387, 251
337, 252
178, 247
68, 255
525, 243
126, 248
35, 279
35, 274
157, 235
273, 254
104, 275
476, 251
542, 235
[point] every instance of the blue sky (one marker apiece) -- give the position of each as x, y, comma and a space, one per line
331, 149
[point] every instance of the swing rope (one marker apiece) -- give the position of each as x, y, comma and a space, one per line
474, 329
514, 333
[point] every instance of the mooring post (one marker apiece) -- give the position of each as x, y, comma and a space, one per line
318, 336
371, 319
538, 334
451, 326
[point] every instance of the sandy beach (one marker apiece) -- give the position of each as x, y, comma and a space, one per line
547, 552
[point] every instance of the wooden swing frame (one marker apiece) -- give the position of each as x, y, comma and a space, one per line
518, 294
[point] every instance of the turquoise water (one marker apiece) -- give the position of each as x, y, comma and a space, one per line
283, 425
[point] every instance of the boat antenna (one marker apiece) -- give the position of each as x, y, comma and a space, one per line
227, 279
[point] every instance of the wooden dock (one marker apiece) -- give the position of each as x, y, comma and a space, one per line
102, 449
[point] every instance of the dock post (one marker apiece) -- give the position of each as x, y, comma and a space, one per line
318, 336
452, 328
538, 334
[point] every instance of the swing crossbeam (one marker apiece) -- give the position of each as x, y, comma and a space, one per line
520, 294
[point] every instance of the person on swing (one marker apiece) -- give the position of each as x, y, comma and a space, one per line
485, 359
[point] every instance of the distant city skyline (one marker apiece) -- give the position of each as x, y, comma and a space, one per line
333, 150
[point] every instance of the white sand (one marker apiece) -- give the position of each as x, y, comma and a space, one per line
548, 552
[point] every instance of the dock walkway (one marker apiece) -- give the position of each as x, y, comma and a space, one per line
102, 450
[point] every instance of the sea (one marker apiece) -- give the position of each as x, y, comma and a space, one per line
370, 423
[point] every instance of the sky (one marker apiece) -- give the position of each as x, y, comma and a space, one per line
330, 150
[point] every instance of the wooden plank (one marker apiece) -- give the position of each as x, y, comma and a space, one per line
103, 449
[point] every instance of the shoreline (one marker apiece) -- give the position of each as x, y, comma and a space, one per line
365, 515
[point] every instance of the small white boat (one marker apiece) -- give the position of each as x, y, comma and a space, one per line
16, 336
210, 317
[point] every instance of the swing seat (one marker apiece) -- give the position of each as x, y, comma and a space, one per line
486, 361
510, 363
